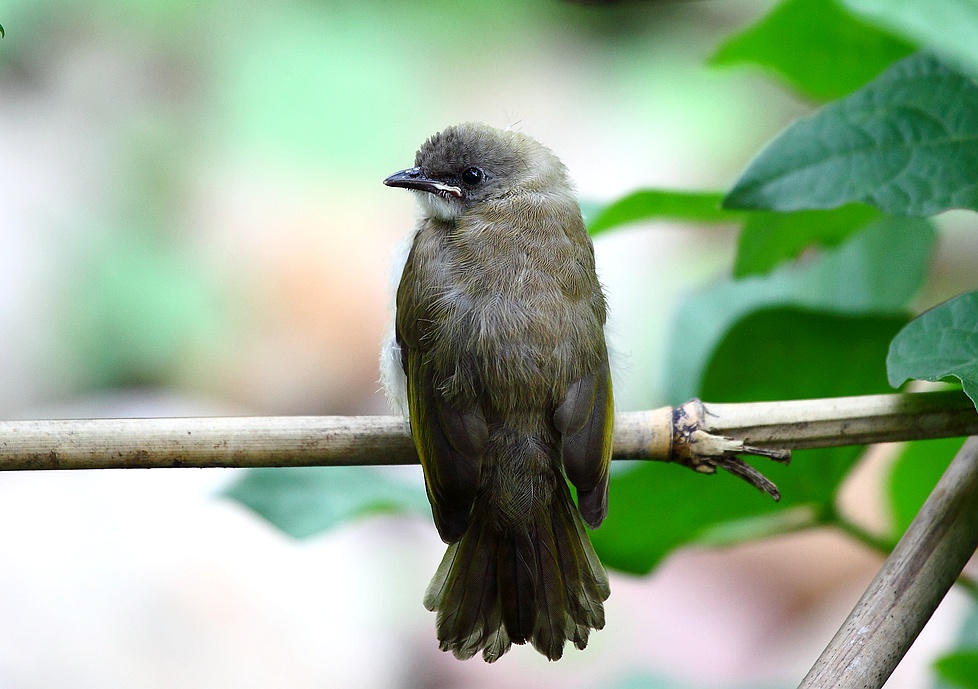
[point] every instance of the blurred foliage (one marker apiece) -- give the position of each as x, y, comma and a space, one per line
816, 46
947, 27
653, 204
769, 239
960, 669
146, 307
876, 271
914, 475
820, 287
833, 252
304, 501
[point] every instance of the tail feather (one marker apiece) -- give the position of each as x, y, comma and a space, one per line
516, 578
600, 579
584, 601
466, 623
553, 623
498, 641
464, 575
436, 588
495, 587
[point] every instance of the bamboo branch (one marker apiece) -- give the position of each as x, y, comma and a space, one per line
231, 441
909, 587
836, 421
700, 436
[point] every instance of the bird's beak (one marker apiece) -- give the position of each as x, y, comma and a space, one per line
414, 178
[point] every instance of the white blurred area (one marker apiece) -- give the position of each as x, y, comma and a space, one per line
124, 140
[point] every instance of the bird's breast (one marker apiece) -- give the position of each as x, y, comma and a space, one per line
515, 336
510, 311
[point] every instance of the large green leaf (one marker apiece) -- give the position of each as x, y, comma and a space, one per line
655, 508
650, 204
818, 47
906, 143
772, 354
878, 270
914, 476
960, 668
947, 26
769, 239
791, 353
304, 501
761, 356
939, 343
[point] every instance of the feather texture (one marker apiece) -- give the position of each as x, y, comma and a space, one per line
496, 588
500, 334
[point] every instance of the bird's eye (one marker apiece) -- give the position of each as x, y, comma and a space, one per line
473, 176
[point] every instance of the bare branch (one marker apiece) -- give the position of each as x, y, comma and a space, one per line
700, 436
836, 421
248, 441
909, 587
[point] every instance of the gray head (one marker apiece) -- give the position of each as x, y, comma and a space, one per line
472, 163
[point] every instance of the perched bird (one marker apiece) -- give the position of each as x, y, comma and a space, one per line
499, 331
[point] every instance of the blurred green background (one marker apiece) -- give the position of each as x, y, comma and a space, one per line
199, 183
193, 222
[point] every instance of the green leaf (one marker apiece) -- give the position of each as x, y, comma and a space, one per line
648, 204
751, 361
914, 476
2, 34
906, 143
769, 239
656, 508
819, 48
304, 501
878, 270
960, 669
945, 26
939, 343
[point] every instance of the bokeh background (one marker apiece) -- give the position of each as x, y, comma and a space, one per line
192, 222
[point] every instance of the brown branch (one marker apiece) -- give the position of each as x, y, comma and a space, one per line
909, 587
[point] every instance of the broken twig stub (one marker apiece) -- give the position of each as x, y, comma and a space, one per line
701, 451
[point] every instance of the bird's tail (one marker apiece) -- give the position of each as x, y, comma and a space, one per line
544, 585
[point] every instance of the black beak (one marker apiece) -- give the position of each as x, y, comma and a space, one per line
414, 178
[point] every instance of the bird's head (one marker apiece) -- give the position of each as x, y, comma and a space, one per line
468, 164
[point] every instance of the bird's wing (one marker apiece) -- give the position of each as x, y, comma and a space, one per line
450, 441
585, 420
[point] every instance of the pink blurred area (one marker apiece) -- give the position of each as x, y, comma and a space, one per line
193, 223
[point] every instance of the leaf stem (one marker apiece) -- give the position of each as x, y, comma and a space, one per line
884, 546
881, 545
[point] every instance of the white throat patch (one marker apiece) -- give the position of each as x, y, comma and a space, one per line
434, 206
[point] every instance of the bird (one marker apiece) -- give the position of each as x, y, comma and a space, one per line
499, 348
